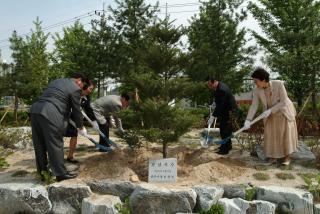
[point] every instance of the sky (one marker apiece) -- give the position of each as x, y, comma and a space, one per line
55, 14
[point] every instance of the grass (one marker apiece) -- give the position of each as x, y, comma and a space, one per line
260, 176
250, 194
20, 173
261, 167
289, 167
285, 176
307, 175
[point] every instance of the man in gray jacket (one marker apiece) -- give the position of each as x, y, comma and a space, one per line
106, 106
49, 119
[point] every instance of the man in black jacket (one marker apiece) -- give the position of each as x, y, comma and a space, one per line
49, 119
225, 104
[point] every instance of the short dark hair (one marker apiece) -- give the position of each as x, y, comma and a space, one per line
210, 78
125, 96
81, 76
260, 74
87, 84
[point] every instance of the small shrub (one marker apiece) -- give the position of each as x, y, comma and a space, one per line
214, 209
123, 208
3, 163
131, 137
313, 183
284, 176
48, 177
250, 194
261, 176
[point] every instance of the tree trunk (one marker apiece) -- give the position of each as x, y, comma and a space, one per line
15, 110
99, 85
314, 101
165, 150
299, 100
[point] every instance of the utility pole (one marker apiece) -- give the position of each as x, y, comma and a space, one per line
166, 9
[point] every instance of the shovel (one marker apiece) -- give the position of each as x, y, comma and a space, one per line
223, 141
100, 132
107, 149
205, 141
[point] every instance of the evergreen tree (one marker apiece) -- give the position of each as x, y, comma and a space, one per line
73, 51
106, 46
291, 40
131, 20
29, 75
161, 85
217, 44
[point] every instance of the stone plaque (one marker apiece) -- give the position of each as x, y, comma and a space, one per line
163, 170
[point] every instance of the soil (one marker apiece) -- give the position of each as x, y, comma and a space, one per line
196, 165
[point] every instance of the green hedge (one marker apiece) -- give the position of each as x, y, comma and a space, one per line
9, 121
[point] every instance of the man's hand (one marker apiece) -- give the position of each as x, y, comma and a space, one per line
210, 120
266, 113
247, 125
83, 131
95, 125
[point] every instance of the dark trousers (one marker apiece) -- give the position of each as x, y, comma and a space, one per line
104, 128
47, 140
225, 131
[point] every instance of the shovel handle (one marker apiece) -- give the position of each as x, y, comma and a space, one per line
251, 123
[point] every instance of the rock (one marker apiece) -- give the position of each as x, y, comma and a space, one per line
316, 208
235, 191
288, 199
156, 200
240, 206
123, 189
258, 206
207, 196
24, 198
22, 137
67, 198
96, 204
303, 154
72, 167
134, 178
260, 153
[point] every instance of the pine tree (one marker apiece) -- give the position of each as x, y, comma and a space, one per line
291, 40
217, 44
30, 70
131, 20
161, 85
107, 58
73, 51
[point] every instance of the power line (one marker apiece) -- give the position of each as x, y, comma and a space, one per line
96, 12
50, 32
61, 23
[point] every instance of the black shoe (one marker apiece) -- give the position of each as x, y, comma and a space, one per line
72, 160
222, 152
65, 177
102, 150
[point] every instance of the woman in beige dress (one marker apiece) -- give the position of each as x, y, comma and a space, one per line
280, 129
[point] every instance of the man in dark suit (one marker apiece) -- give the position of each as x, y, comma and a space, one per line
49, 119
225, 104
